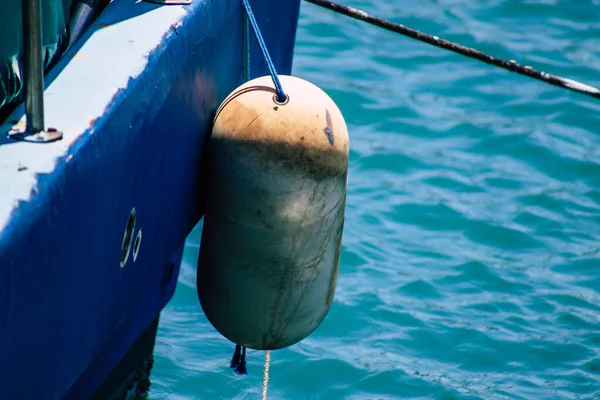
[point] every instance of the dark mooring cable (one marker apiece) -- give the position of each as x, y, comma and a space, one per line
465, 51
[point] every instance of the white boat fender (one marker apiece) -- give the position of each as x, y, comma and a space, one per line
276, 195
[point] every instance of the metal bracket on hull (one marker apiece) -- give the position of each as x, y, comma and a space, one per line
45, 136
170, 2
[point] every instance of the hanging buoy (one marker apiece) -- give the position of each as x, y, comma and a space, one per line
273, 223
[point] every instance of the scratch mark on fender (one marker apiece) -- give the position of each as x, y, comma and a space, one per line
251, 122
329, 128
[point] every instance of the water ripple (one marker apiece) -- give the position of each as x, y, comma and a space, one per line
469, 266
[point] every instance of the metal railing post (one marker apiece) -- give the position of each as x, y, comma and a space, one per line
33, 78
33, 66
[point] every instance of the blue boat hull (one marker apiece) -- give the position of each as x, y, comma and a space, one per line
135, 102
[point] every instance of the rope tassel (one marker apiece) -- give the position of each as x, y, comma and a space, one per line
240, 368
238, 361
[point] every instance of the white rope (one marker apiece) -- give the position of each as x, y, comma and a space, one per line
266, 374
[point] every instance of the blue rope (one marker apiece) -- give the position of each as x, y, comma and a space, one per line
246, 49
281, 97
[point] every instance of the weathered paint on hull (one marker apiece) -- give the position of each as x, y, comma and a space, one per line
135, 103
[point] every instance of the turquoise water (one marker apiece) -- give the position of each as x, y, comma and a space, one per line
470, 265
